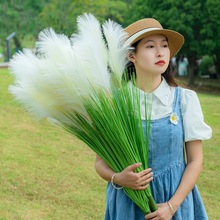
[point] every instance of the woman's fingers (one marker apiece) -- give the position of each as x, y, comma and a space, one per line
145, 172
131, 179
133, 167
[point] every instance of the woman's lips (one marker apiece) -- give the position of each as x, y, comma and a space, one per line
160, 62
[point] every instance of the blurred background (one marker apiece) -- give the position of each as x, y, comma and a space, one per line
197, 20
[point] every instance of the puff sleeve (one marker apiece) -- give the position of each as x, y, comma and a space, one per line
193, 120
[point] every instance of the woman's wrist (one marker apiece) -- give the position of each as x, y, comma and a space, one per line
172, 209
114, 183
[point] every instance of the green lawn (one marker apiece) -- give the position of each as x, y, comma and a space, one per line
47, 174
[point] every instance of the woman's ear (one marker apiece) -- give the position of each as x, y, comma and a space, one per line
131, 57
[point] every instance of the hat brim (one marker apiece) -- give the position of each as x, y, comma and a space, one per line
175, 39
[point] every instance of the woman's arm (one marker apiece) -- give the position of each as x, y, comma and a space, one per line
193, 169
127, 178
191, 174
103, 169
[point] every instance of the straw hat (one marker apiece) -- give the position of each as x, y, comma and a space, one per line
149, 26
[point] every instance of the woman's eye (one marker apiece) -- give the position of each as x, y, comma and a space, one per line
166, 45
150, 46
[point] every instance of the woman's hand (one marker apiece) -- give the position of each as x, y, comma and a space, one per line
162, 213
128, 178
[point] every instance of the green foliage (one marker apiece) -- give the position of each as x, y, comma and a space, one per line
197, 20
210, 31
20, 16
64, 13
206, 64
182, 16
29, 17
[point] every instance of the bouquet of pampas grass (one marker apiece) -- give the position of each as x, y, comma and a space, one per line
77, 84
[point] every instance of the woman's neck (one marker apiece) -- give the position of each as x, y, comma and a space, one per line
148, 84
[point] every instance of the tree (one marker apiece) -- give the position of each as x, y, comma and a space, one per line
20, 16
61, 15
183, 16
211, 31
197, 20
29, 17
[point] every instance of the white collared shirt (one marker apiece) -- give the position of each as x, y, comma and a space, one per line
193, 120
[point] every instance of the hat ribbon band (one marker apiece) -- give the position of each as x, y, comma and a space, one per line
134, 36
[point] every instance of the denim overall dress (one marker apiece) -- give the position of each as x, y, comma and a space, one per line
166, 158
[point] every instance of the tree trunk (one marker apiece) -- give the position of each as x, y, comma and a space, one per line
217, 65
192, 62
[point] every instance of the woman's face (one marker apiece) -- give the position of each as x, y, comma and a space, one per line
152, 55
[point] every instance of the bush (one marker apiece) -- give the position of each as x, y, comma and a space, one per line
206, 64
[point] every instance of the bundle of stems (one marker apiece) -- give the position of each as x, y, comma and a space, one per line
78, 86
115, 133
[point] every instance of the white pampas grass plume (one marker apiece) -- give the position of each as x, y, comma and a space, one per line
91, 50
43, 85
117, 51
63, 73
62, 69
53, 45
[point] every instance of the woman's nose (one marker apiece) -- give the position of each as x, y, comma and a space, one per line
160, 52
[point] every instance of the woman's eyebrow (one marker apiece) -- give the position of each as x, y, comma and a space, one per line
147, 41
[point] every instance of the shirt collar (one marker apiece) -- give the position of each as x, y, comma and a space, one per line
163, 92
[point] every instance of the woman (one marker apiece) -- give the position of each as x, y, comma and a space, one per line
177, 128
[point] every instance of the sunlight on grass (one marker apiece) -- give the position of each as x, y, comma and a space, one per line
47, 174
209, 180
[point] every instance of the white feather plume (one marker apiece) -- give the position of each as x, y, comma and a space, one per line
43, 85
63, 72
38, 94
117, 51
91, 50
